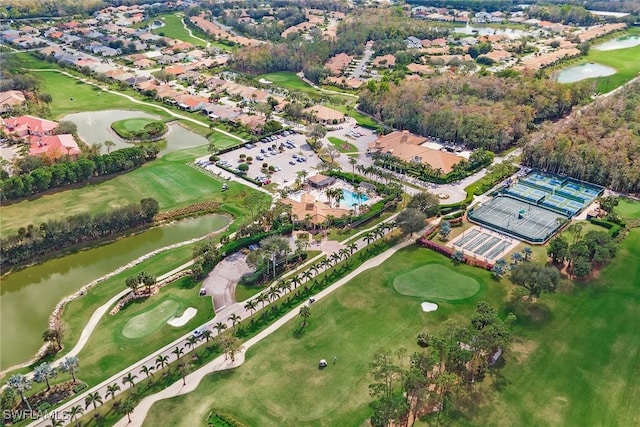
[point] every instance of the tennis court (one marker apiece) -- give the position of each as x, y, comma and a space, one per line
480, 242
517, 218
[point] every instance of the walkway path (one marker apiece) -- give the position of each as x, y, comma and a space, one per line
135, 101
184, 24
221, 316
219, 364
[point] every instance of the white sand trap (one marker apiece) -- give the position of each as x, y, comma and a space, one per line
429, 306
186, 316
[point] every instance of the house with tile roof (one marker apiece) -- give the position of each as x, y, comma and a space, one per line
54, 146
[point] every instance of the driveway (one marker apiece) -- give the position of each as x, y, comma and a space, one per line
221, 282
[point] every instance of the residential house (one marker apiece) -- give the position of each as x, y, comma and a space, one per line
252, 122
220, 112
386, 61
338, 63
54, 146
29, 125
311, 210
10, 100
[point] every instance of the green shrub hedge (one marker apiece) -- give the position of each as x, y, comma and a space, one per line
614, 229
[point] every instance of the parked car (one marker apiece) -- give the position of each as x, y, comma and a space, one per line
259, 158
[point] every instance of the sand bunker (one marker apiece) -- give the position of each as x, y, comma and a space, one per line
182, 320
429, 306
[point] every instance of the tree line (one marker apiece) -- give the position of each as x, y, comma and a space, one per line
69, 172
599, 145
54, 235
425, 384
480, 111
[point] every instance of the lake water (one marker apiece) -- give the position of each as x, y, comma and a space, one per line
94, 127
620, 43
584, 71
489, 31
28, 297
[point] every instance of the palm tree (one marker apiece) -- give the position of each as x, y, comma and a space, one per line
527, 251
251, 306
191, 342
56, 422
338, 195
127, 408
43, 373
516, 257
178, 351
305, 312
273, 294
206, 335
20, 383
344, 253
352, 247
147, 370
234, 319
296, 281
262, 298
130, 378
368, 238
353, 162
112, 389
335, 258
109, 145
93, 399
330, 192
183, 372
161, 361
286, 286
70, 364
307, 275
220, 327
74, 412
133, 283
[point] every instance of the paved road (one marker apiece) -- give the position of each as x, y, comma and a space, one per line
218, 364
221, 316
361, 64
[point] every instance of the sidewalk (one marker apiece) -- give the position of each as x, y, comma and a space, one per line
219, 364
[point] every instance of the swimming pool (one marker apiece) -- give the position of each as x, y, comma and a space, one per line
350, 199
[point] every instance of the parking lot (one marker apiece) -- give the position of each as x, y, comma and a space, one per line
288, 153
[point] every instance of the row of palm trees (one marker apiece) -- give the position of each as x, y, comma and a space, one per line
284, 286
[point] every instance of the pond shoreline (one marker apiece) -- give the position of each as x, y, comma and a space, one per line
92, 244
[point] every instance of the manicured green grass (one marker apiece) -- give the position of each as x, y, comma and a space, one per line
124, 127
436, 282
352, 323
577, 359
151, 320
222, 141
625, 61
361, 119
342, 145
175, 30
628, 208
288, 80
77, 312
109, 350
169, 180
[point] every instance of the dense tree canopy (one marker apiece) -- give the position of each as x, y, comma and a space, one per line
599, 145
488, 112
34, 241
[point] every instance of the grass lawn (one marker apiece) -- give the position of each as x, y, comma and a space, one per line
155, 318
289, 80
629, 209
110, 350
361, 119
351, 324
444, 284
168, 179
174, 29
124, 127
577, 362
625, 61
222, 141
342, 145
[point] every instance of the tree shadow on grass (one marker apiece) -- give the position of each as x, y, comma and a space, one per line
299, 332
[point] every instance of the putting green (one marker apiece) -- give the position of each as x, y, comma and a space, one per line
151, 320
434, 281
138, 127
